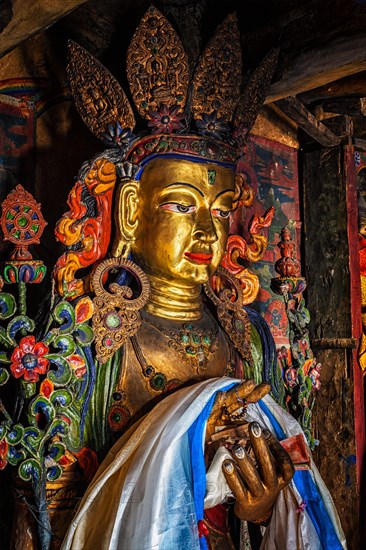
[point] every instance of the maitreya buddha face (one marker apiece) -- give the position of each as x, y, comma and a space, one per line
183, 219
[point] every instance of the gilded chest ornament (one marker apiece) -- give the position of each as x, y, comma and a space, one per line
194, 345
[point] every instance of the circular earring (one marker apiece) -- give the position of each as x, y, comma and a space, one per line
117, 316
227, 295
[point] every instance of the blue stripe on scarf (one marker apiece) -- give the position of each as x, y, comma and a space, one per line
310, 495
195, 436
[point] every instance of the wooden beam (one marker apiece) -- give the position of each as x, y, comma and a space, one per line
351, 106
307, 121
320, 66
354, 86
31, 17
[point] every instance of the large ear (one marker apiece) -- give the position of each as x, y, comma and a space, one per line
99, 98
217, 79
125, 216
157, 65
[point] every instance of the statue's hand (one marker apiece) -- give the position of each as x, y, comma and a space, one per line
256, 486
248, 391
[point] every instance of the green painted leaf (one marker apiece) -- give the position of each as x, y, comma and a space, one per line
83, 334
4, 357
29, 389
15, 456
5, 340
4, 376
21, 322
30, 470
64, 315
57, 451
65, 344
8, 305
15, 435
60, 372
42, 406
61, 399
3, 430
54, 473
32, 437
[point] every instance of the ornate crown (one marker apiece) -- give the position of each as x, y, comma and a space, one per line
209, 116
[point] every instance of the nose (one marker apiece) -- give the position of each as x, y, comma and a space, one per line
205, 229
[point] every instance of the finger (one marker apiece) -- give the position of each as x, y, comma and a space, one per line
248, 471
282, 459
234, 482
243, 396
264, 458
235, 397
258, 393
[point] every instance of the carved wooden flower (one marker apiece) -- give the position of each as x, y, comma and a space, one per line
28, 359
166, 120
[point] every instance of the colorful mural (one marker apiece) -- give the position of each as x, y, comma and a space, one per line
271, 170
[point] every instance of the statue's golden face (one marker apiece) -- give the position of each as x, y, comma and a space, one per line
183, 219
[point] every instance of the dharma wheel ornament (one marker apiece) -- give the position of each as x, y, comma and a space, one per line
22, 224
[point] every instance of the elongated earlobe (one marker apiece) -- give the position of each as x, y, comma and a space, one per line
125, 217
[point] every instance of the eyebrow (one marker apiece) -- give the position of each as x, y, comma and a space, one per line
186, 185
198, 190
225, 191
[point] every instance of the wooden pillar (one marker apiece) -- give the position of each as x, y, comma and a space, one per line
333, 298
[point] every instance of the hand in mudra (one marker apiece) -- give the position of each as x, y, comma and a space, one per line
256, 486
232, 400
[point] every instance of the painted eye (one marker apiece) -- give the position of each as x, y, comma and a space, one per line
217, 213
176, 207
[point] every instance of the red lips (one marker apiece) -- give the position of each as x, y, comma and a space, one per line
199, 257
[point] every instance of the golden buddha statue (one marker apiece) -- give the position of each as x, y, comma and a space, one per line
171, 358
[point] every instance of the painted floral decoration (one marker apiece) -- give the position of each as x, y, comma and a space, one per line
314, 374
28, 359
166, 120
291, 377
212, 126
117, 135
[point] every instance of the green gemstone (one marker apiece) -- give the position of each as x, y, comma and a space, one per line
239, 326
35, 228
196, 339
163, 143
211, 175
9, 215
22, 221
26, 208
16, 234
189, 327
144, 104
113, 321
159, 381
179, 97
154, 51
206, 340
184, 338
